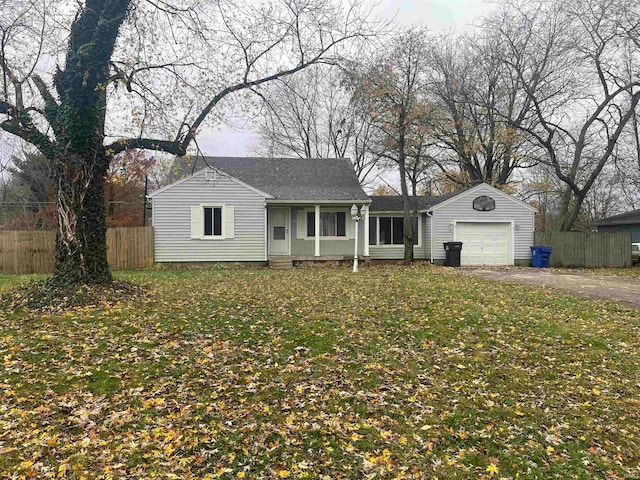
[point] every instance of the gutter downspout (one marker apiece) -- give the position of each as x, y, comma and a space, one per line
430, 215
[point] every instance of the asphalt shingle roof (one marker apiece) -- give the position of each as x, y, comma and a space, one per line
622, 219
283, 178
389, 203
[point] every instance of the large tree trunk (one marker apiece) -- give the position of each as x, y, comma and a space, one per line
81, 247
80, 163
402, 164
570, 209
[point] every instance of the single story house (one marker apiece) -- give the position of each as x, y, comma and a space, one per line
257, 209
625, 222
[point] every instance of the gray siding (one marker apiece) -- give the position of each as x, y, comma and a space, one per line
461, 210
171, 222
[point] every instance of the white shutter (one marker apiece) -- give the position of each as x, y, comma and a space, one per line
196, 221
351, 226
229, 222
301, 224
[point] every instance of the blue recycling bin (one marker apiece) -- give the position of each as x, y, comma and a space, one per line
540, 256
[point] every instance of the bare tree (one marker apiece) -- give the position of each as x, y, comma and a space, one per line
481, 107
105, 76
313, 115
571, 59
391, 91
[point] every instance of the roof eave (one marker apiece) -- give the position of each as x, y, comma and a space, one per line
277, 201
202, 172
615, 224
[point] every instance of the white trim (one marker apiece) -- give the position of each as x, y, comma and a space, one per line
316, 220
204, 171
472, 191
290, 222
513, 242
266, 234
287, 231
222, 235
323, 237
366, 230
430, 216
272, 201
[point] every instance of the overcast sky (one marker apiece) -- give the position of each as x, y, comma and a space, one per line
437, 15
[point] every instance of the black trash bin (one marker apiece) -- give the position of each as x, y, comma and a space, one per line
452, 250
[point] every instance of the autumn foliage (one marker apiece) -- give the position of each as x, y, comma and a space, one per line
394, 373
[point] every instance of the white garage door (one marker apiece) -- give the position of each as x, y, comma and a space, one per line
484, 243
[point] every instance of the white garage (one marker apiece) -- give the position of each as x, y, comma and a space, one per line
484, 243
494, 227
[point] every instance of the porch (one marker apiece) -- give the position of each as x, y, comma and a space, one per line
316, 233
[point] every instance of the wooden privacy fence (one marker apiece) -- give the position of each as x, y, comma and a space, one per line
128, 248
587, 249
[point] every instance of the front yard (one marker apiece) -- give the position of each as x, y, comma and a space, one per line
319, 373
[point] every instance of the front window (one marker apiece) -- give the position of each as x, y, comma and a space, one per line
390, 230
332, 224
212, 221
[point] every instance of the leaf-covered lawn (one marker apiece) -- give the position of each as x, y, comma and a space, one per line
319, 373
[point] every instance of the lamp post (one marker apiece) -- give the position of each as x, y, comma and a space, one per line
356, 215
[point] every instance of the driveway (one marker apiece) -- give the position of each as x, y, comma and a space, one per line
618, 289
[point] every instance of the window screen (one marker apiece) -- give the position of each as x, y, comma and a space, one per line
311, 224
340, 224
398, 230
385, 230
373, 230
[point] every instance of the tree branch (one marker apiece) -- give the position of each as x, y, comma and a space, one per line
319, 58
29, 134
50, 104
167, 146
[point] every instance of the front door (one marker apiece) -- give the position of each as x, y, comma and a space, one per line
279, 230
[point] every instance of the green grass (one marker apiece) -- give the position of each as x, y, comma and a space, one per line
398, 372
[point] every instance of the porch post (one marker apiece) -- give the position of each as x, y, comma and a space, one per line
365, 240
266, 234
317, 237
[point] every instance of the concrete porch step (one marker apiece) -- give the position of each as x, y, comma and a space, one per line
280, 263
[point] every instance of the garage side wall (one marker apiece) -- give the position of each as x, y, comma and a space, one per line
634, 229
172, 222
460, 209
